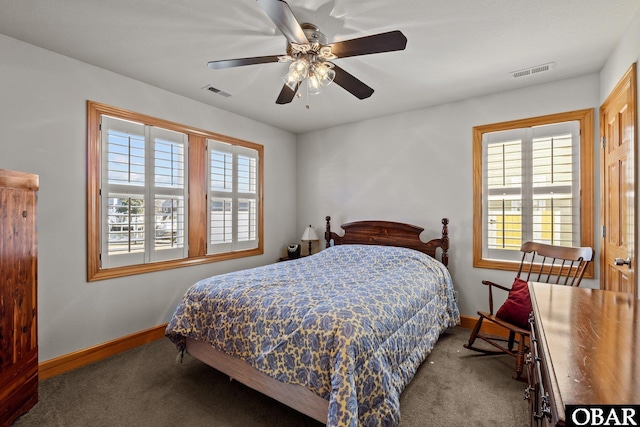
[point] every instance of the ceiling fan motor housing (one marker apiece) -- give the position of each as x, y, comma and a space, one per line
313, 34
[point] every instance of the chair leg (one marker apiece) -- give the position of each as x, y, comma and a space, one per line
520, 360
512, 338
474, 332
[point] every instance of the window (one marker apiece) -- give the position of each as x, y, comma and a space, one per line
143, 191
233, 172
533, 181
148, 186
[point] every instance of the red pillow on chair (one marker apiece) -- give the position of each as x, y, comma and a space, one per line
517, 307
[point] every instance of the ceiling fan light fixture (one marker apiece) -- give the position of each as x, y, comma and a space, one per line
325, 52
320, 77
325, 71
291, 82
298, 71
310, 54
319, 74
299, 68
314, 84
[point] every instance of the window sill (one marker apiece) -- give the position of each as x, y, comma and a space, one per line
95, 274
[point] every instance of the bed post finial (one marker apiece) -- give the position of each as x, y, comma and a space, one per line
445, 241
327, 231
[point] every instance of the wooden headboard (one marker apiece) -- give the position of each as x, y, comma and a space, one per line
388, 233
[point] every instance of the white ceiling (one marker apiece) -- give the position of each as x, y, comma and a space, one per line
456, 49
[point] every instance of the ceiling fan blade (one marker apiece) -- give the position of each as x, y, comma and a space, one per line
228, 63
377, 43
286, 94
281, 15
351, 84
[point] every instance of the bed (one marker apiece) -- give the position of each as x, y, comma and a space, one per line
336, 335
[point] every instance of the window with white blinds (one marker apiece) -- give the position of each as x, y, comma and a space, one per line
533, 180
233, 197
532, 186
162, 195
143, 193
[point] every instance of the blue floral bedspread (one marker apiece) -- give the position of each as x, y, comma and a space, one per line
352, 323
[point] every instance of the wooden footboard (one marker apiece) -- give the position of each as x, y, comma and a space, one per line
294, 396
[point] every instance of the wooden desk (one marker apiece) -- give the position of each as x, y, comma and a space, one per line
585, 350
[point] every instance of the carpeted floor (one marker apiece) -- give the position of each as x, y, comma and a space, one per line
145, 387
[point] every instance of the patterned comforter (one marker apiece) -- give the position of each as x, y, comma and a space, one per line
351, 323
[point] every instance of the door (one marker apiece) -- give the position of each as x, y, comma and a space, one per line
618, 187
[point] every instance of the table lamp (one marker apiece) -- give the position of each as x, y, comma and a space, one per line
309, 235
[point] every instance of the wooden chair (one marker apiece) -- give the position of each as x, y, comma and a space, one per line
540, 263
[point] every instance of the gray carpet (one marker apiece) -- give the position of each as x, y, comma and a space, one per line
145, 387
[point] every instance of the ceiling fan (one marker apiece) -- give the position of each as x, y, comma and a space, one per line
310, 56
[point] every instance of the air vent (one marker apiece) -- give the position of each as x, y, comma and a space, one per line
218, 91
532, 70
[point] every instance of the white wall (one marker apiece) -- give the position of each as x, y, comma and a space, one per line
626, 53
43, 129
416, 167
413, 167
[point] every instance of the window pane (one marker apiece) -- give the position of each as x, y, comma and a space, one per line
504, 229
126, 224
125, 153
553, 220
247, 220
247, 174
221, 221
221, 173
552, 161
169, 164
504, 187
504, 164
169, 222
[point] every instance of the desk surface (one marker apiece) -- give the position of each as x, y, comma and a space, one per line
591, 340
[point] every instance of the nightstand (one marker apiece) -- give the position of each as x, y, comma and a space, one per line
286, 258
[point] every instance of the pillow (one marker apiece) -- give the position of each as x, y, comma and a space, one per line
517, 307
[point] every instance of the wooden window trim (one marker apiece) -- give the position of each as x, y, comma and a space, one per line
585, 117
197, 204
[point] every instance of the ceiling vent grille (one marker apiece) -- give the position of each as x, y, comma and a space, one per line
532, 70
217, 91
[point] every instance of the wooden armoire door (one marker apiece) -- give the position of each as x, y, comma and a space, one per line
18, 295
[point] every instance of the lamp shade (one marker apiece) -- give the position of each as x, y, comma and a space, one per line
309, 234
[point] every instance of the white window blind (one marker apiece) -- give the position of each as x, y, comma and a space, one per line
233, 197
531, 188
143, 193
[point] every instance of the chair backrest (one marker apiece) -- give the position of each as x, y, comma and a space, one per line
553, 264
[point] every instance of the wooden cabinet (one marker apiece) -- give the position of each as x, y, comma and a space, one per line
18, 295
584, 350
